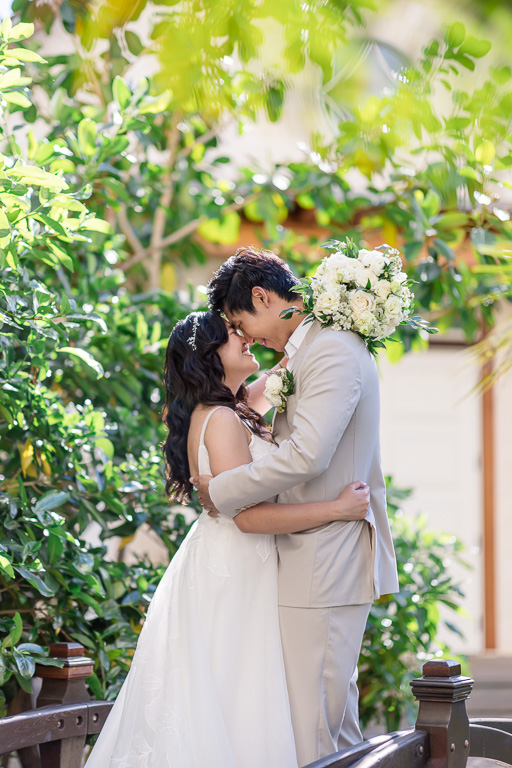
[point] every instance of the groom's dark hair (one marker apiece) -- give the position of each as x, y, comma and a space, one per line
230, 289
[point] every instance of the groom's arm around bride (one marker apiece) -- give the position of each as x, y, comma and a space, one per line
328, 436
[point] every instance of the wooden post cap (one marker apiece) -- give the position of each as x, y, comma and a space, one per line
66, 650
441, 668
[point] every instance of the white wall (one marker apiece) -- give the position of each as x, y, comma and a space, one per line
431, 442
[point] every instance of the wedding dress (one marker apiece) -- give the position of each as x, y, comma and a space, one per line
206, 687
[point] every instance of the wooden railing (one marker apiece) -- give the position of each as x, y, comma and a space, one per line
54, 734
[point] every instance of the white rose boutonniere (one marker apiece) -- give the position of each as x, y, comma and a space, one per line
278, 387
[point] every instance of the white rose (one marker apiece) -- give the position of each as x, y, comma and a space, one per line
364, 323
274, 400
365, 256
274, 384
374, 260
326, 303
395, 286
379, 263
383, 289
363, 276
393, 306
361, 301
385, 330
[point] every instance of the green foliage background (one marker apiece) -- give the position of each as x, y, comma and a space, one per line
105, 185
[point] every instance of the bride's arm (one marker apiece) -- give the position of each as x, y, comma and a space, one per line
227, 446
267, 517
256, 398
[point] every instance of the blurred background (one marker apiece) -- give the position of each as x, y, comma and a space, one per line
142, 144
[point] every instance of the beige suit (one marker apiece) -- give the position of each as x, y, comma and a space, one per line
328, 436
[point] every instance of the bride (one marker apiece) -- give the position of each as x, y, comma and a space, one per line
206, 687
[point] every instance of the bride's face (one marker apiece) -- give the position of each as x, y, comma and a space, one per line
237, 360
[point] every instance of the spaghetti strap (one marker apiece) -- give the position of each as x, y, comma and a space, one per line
205, 423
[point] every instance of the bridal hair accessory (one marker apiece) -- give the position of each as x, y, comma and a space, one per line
363, 291
279, 385
192, 338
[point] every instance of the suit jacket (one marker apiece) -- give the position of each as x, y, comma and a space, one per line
328, 436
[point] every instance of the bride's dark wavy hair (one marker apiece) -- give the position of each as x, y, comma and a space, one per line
193, 376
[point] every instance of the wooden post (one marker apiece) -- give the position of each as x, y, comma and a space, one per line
65, 685
442, 694
489, 511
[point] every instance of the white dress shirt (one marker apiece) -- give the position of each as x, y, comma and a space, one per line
294, 342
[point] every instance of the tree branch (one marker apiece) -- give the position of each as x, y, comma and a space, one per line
184, 231
186, 151
155, 265
127, 230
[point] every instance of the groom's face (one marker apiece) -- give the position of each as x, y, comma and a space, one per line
264, 326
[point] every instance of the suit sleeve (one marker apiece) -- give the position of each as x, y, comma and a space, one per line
330, 390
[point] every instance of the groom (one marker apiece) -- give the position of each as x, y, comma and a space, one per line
328, 436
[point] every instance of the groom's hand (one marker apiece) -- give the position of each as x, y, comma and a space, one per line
202, 483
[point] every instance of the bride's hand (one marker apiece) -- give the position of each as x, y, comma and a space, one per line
353, 502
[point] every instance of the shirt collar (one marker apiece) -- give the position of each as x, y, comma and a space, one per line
296, 339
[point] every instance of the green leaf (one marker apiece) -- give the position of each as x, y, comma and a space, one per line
444, 249
31, 648
122, 93
37, 177
6, 27
468, 172
485, 152
26, 665
452, 220
51, 500
455, 34
12, 78
472, 46
6, 566
24, 54
133, 42
18, 98
21, 31
52, 224
94, 224
23, 683
17, 630
87, 133
86, 357
55, 548
95, 686
154, 104
225, 230
35, 581
106, 445
412, 249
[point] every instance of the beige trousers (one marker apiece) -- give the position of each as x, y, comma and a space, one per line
321, 648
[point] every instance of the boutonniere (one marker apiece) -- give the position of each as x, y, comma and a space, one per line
278, 387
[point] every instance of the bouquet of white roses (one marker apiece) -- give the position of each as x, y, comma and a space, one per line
358, 290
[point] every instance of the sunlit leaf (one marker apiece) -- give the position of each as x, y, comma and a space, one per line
86, 357
37, 177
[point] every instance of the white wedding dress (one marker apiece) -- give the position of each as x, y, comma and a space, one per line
206, 687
